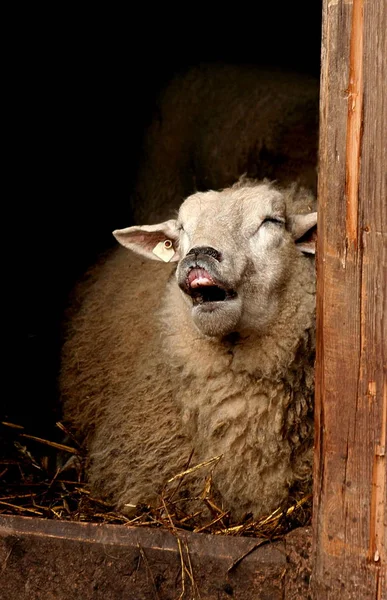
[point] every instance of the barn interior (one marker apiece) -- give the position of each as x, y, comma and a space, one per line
90, 85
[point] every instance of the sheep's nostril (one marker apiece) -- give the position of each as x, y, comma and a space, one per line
206, 251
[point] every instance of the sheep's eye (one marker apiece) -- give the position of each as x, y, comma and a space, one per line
276, 220
180, 228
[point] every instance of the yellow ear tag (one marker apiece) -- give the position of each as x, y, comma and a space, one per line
164, 250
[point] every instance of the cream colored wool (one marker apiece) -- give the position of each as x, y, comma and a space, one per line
145, 386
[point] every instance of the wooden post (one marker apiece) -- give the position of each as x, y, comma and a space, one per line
350, 507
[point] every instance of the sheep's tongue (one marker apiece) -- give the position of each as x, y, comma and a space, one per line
199, 278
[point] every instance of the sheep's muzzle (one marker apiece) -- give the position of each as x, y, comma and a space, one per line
203, 287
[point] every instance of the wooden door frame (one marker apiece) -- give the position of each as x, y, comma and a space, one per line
349, 522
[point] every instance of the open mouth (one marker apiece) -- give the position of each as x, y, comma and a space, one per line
204, 289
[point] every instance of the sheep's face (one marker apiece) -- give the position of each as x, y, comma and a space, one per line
235, 249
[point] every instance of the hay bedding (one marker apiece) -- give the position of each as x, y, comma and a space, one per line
32, 484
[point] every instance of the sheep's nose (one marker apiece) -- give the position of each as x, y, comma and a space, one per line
205, 250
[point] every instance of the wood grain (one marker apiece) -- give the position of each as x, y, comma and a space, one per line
350, 508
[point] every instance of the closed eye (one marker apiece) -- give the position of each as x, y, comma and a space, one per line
276, 220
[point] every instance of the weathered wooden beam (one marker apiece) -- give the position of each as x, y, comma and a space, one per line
350, 507
42, 559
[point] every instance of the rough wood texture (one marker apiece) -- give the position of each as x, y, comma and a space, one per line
43, 560
350, 512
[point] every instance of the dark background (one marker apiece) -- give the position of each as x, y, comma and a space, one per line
82, 92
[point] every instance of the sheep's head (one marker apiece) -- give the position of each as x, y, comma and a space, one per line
235, 250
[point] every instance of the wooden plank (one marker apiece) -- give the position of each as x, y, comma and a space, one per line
42, 559
350, 508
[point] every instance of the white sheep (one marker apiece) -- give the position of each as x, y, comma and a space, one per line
215, 122
215, 356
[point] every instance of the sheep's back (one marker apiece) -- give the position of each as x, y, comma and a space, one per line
217, 122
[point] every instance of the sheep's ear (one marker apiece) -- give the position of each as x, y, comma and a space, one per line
304, 231
157, 242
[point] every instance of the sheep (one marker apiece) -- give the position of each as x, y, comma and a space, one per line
215, 122
201, 338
